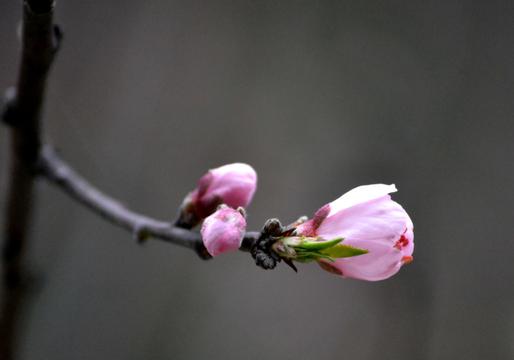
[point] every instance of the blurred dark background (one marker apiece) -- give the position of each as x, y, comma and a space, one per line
319, 96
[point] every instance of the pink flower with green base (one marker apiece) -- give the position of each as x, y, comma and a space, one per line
365, 218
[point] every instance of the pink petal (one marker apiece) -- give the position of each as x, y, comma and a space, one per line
360, 195
380, 263
223, 231
381, 220
232, 184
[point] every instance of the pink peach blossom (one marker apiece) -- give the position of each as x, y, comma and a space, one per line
223, 231
366, 218
232, 184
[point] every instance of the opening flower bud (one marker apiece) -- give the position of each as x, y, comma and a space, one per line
223, 231
367, 219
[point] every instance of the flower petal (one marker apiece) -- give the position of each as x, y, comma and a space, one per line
223, 231
382, 220
360, 195
234, 183
381, 262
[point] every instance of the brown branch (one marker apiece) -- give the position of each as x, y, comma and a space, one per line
142, 227
40, 42
23, 113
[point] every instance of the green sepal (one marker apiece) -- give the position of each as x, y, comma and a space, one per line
317, 245
307, 249
308, 256
343, 251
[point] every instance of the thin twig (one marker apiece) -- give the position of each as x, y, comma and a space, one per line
141, 226
40, 42
23, 113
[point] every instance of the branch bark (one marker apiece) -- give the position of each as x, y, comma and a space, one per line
53, 168
28, 159
23, 113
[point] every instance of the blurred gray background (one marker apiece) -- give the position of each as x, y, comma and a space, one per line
319, 96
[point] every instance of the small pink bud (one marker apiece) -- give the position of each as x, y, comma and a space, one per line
224, 230
365, 218
232, 184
